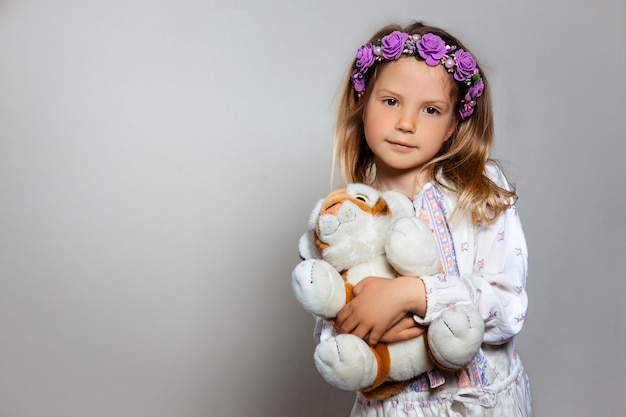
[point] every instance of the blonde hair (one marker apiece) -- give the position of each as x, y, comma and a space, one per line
461, 161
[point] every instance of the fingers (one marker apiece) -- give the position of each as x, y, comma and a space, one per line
410, 333
367, 332
405, 329
368, 316
374, 337
348, 322
340, 325
358, 288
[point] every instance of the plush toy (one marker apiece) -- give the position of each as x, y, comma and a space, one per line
357, 232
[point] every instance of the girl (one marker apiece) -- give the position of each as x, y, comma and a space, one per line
415, 116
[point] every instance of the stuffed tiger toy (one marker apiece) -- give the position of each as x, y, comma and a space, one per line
357, 232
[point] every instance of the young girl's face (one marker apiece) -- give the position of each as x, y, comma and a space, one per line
409, 115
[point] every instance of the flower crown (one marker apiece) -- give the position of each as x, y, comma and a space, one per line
429, 48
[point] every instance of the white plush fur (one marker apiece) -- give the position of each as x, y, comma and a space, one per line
455, 336
367, 245
404, 236
346, 362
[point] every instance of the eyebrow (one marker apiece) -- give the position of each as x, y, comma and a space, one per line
388, 91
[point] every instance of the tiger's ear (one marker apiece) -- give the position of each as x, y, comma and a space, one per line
400, 204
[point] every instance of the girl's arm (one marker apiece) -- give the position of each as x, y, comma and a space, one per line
379, 304
406, 328
493, 276
496, 285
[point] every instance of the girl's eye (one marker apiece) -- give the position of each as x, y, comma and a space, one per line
431, 110
390, 102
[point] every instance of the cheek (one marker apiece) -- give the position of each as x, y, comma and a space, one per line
372, 132
373, 124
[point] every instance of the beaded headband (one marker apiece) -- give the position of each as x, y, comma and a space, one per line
429, 48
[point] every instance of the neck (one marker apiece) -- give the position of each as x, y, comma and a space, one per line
408, 183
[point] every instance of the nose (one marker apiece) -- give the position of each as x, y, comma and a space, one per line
406, 122
333, 209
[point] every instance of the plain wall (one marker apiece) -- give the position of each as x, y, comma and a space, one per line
158, 161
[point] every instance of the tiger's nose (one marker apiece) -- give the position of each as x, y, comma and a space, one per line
333, 209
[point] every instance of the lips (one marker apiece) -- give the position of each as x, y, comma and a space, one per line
401, 146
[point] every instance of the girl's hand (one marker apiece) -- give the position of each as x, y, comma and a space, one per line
403, 330
379, 303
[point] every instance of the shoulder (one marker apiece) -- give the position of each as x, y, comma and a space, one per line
494, 172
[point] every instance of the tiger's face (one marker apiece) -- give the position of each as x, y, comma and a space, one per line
351, 225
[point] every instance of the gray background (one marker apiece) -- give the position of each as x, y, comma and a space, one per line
158, 161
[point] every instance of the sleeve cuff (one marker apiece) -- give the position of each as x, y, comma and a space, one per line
442, 291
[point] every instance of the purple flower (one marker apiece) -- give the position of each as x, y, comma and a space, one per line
468, 104
466, 111
393, 44
467, 97
465, 65
432, 48
365, 57
358, 81
477, 89
434, 51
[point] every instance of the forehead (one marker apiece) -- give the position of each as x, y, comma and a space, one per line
407, 74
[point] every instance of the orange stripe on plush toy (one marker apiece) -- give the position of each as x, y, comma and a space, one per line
381, 208
386, 390
318, 243
384, 363
349, 290
331, 205
335, 197
383, 387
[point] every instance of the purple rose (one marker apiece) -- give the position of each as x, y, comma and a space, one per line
365, 57
465, 65
477, 90
358, 81
432, 48
393, 44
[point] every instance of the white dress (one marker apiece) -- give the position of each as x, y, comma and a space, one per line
485, 266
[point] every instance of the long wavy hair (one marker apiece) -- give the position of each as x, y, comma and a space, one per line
460, 164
